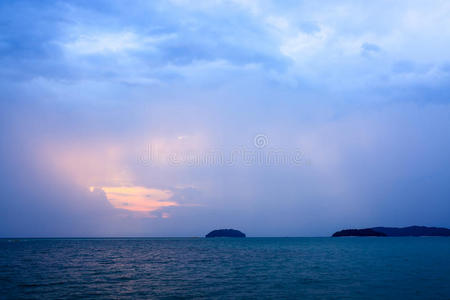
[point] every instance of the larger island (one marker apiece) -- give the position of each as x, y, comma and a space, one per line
395, 231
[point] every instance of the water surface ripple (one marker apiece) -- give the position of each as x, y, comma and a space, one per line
339, 268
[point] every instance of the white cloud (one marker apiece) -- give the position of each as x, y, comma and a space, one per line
113, 42
279, 23
104, 43
303, 45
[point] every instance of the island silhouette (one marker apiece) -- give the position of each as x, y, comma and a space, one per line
395, 231
225, 233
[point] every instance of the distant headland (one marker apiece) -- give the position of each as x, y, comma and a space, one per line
395, 231
358, 232
226, 233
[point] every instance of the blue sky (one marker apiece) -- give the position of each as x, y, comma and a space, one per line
354, 96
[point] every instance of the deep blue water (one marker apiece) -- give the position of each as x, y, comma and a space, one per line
353, 268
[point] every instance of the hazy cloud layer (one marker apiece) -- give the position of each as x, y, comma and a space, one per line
353, 98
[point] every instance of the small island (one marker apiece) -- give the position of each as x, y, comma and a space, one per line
395, 231
225, 233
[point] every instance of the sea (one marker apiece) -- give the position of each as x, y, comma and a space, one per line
226, 268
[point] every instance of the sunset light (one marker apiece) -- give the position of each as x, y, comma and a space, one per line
139, 199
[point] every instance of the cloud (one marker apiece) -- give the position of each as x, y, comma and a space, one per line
87, 87
368, 49
104, 43
303, 45
179, 42
137, 198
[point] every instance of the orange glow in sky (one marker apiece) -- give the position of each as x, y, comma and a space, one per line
138, 198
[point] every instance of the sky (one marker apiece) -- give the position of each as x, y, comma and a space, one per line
174, 118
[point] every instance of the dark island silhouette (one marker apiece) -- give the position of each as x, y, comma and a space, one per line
225, 233
395, 231
358, 232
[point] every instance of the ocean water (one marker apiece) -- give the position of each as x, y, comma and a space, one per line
307, 268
